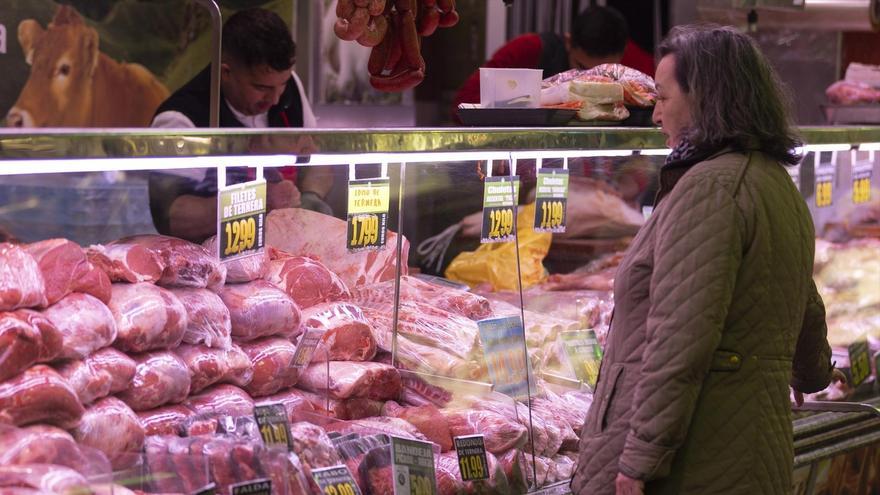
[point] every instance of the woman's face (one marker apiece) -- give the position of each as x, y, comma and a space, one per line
672, 112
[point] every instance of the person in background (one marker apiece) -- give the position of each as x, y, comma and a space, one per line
599, 35
716, 313
258, 88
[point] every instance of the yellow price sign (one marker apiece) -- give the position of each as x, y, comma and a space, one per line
551, 198
363, 231
336, 480
499, 199
272, 422
240, 229
472, 462
859, 361
500, 223
241, 235
368, 203
861, 190
823, 193
552, 214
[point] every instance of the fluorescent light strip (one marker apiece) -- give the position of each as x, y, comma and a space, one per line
826, 147
544, 154
869, 147
66, 165
656, 152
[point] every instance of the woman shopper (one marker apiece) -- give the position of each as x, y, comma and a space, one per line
716, 313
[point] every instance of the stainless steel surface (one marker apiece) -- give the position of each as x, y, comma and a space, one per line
844, 445
845, 407
816, 15
216, 44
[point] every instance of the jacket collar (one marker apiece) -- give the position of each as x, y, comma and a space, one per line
672, 172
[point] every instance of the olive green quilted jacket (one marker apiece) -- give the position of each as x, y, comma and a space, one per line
715, 315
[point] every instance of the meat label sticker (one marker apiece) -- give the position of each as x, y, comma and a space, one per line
413, 467
368, 203
503, 342
472, 462
859, 361
499, 197
584, 354
824, 172
241, 215
336, 480
305, 349
862, 170
272, 421
261, 486
551, 200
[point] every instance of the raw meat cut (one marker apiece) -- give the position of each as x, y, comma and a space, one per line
46, 478
186, 264
449, 476
427, 419
40, 444
543, 472
148, 317
94, 282
259, 309
313, 447
513, 464
21, 282
113, 428
564, 466
347, 333
209, 366
166, 420
161, 378
293, 402
852, 93
39, 395
61, 262
207, 318
220, 400
414, 356
85, 323
418, 392
272, 361
569, 408
241, 270
501, 434
164, 475
23, 344
306, 280
323, 237
130, 263
456, 301
345, 409
555, 415
349, 379
105, 372
380, 424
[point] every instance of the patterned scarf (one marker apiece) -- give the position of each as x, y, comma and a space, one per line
684, 150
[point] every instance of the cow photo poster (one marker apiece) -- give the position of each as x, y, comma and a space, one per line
102, 63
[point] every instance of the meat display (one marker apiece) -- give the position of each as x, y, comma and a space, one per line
259, 309
428, 326
293, 401
62, 263
94, 282
161, 378
45, 478
427, 419
347, 332
449, 299
165, 420
40, 444
272, 362
85, 323
26, 338
147, 317
113, 428
207, 318
39, 395
130, 263
284, 231
313, 447
21, 282
306, 280
349, 379
501, 434
346, 409
241, 270
105, 372
208, 366
186, 264
221, 400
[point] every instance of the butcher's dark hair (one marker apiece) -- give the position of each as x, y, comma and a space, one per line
735, 97
256, 37
599, 31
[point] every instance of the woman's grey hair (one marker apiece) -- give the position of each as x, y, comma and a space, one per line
736, 99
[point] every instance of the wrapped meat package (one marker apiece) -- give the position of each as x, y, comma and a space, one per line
95, 283
348, 335
449, 477
294, 403
222, 400
208, 366
62, 263
501, 434
41, 444
313, 446
39, 395
456, 301
427, 419
259, 309
306, 280
272, 362
147, 317
207, 318
105, 372
355, 408
21, 281
130, 263
161, 378
85, 323
165, 420
241, 270
113, 428
186, 264
349, 379
26, 338
45, 478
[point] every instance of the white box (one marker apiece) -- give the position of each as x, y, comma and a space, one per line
510, 88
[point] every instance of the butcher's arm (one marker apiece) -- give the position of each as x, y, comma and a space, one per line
696, 260
193, 218
811, 367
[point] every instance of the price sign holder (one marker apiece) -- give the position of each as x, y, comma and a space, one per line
862, 171
262, 486
503, 348
551, 199
209, 489
413, 467
472, 462
305, 349
824, 178
584, 354
336, 480
859, 361
272, 422
368, 204
500, 195
241, 220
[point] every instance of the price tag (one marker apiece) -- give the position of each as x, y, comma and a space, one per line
209, 489
261, 486
584, 354
472, 462
503, 348
862, 170
551, 200
305, 349
336, 480
368, 202
241, 212
499, 197
824, 178
272, 421
413, 467
859, 361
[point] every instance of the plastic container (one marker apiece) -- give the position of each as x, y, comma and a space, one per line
510, 88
